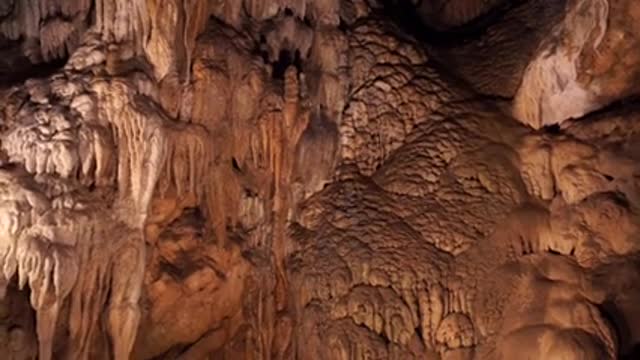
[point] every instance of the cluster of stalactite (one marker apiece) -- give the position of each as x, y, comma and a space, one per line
318, 179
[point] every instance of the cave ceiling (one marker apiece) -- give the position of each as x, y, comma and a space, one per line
319, 179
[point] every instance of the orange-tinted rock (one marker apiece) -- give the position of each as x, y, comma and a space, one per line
588, 61
318, 180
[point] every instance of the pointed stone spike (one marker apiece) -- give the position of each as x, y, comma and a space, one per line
65, 274
22, 273
46, 319
10, 265
123, 325
43, 284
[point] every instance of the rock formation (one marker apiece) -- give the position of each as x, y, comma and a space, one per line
319, 179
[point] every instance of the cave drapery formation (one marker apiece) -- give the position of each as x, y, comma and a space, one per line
319, 179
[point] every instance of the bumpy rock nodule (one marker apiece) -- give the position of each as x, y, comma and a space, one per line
302, 179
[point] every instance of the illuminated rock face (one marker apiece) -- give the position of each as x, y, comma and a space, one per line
300, 179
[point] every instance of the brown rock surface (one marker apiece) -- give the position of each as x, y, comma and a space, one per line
296, 179
588, 61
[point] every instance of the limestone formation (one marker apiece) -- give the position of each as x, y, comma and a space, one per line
319, 179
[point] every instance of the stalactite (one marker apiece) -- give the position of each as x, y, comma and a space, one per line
120, 21
299, 179
49, 29
188, 161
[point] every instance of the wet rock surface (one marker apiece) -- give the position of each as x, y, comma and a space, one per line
318, 180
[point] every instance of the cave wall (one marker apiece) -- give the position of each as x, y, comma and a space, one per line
191, 179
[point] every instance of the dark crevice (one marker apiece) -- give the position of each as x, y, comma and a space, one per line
172, 353
15, 70
554, 252
259, 49
234, 164
406, 16
286, 59
612, 315
619, 198
6, 8
633, 354
342, 26
92, 14
249, 192
553, 129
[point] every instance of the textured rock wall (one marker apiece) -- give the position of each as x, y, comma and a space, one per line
318, 179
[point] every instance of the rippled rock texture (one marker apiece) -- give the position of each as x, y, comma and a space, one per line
319, 179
